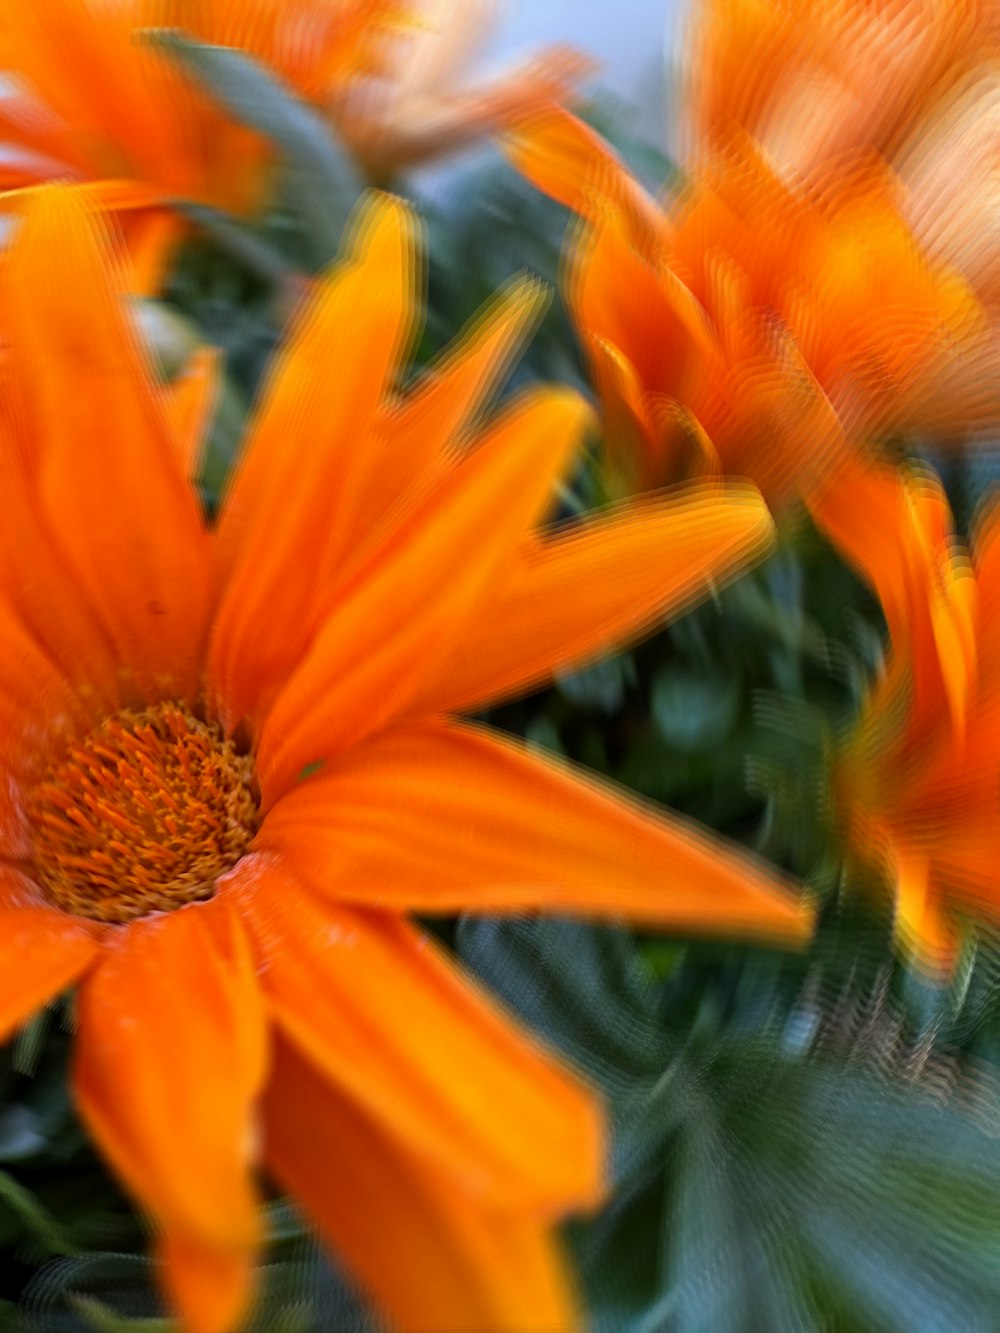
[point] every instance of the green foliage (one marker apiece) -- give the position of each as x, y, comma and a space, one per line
781, 1160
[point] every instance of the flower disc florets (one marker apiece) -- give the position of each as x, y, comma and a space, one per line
142, 815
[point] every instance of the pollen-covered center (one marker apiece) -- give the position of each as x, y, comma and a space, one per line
142, 815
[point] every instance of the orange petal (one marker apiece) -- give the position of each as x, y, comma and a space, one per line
578, 595
642, 309
285, 517
632, 453
31, 125
38, 709
152, 237
44, 950
415, 434
211, 1287
414, 598
85, 62
391, 1023
169, 1060
430, 1256
572, 163
922, 925
894, 526
108, 480
479, 823
39, 582
191, 400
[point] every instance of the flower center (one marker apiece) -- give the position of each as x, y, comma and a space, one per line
143, 815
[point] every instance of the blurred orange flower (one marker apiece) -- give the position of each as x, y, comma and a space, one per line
421, 103
230, 774
917, 780
746, 327
88, 99
812, 82
917, 81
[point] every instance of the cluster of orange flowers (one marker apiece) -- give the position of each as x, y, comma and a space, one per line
819, 293
232, 761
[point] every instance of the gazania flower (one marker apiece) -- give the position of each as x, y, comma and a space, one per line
917, 780
91, 101
230, 773
744, 327
918, 81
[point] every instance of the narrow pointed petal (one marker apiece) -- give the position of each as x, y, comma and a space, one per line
389, 1021
191, 400
602, 581
642, 310
568, 160
108, 480
441, 817
894, 526
47, 602
432, 1258
169, 1062
286, 515
211, 1287
152, 237
409, 606
632, 446
416, 435
44, 951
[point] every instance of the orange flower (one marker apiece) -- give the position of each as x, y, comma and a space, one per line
89, 101
420, 104
230, 774
92, 102
918, 82
812, 82
917, 779
749, 328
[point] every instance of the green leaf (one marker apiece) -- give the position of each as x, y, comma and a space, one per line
322, 179
225, 434
103, 1320
238, 242
35, 1218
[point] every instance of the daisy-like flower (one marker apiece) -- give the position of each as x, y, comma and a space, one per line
88, 98
748, 328
231, 771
